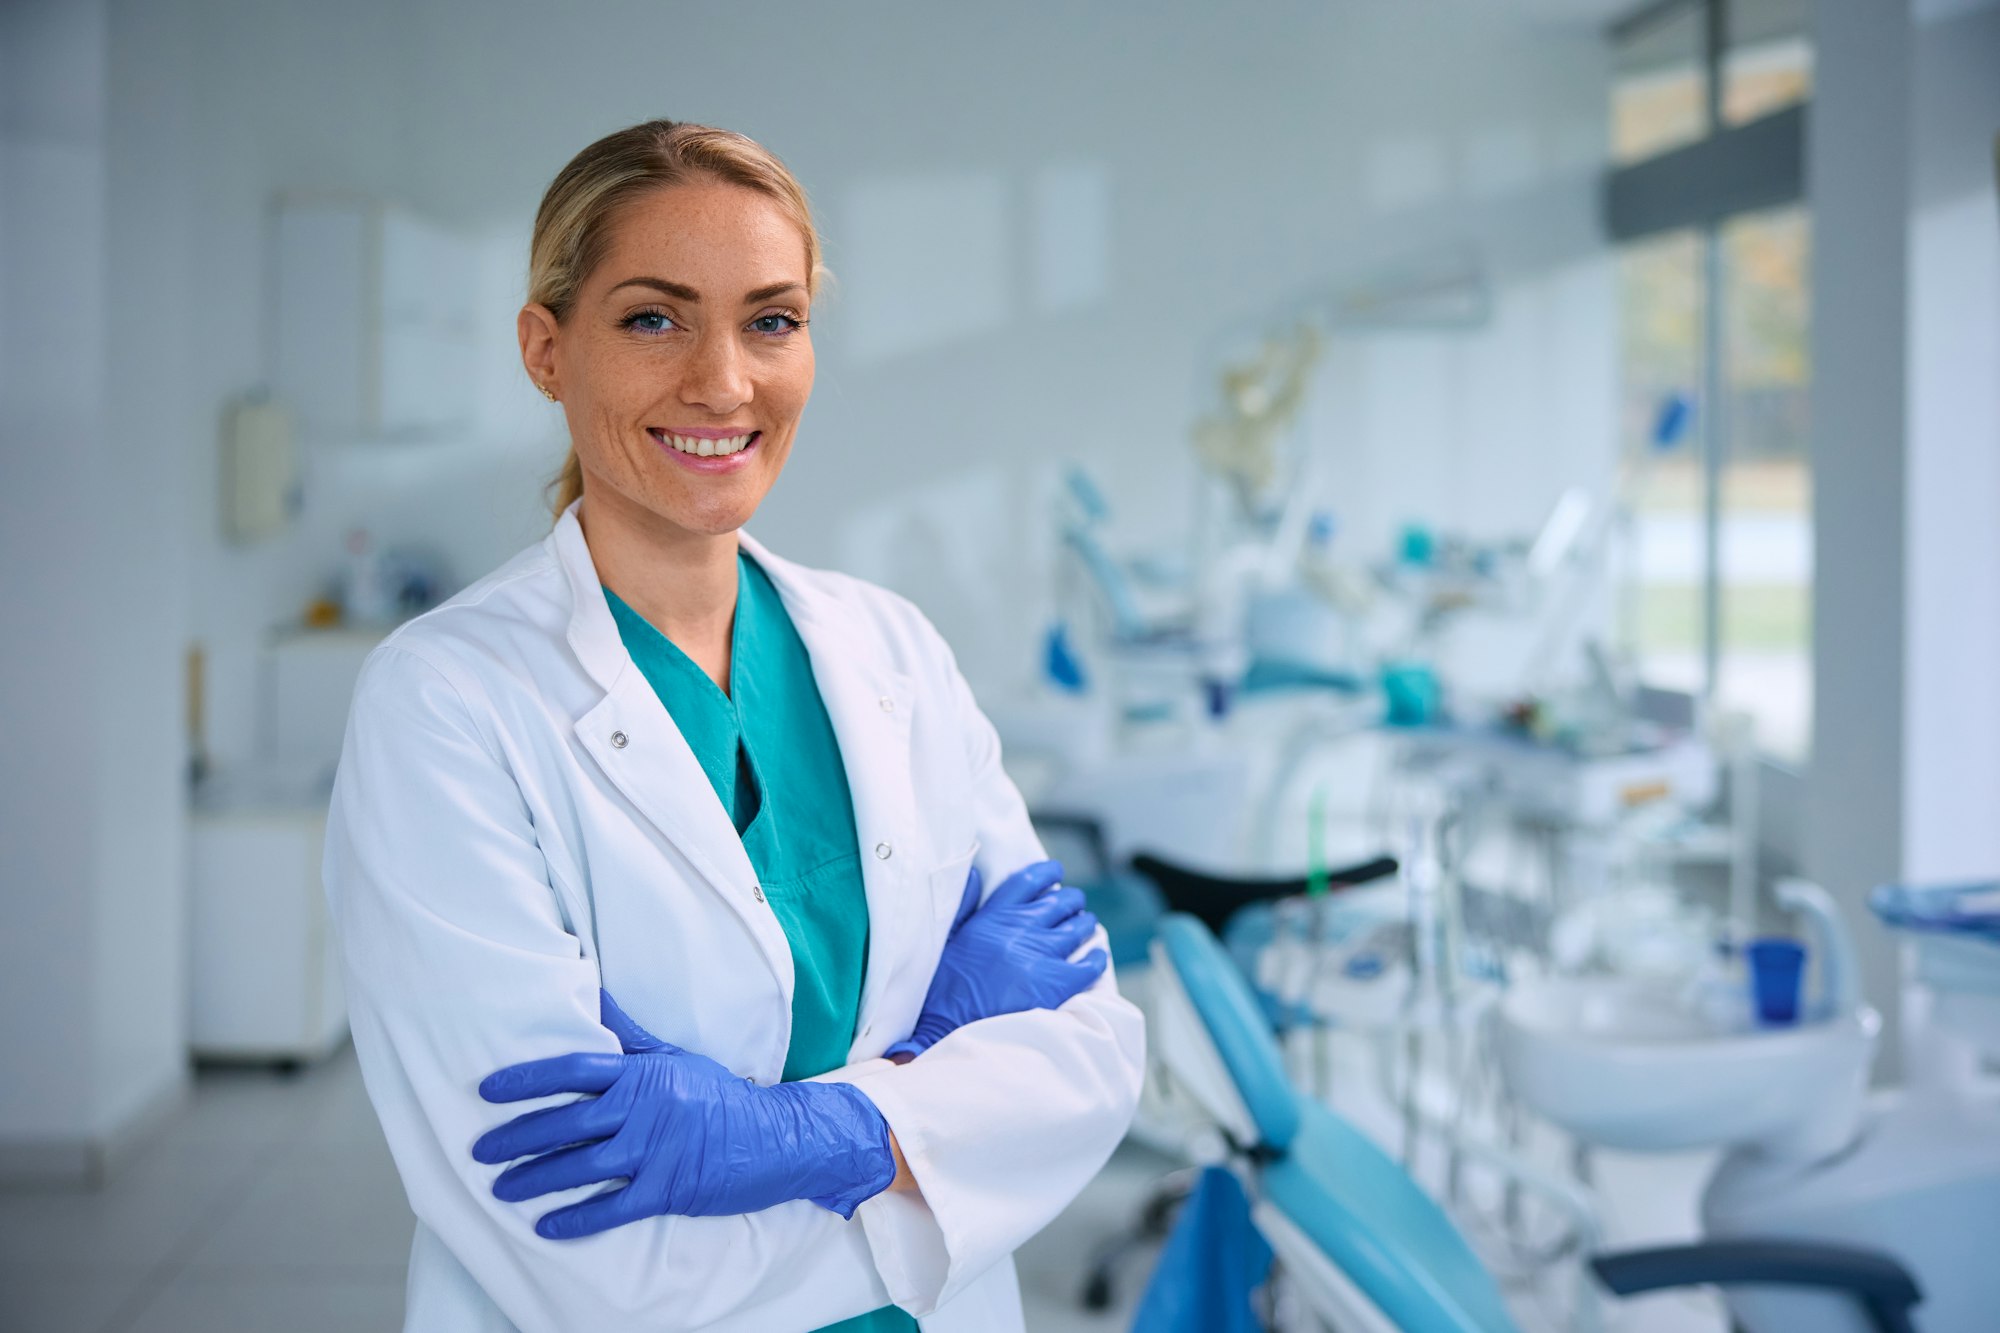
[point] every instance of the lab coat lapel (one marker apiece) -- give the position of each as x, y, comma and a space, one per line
634, 740
869, 704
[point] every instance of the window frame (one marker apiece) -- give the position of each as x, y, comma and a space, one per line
1730, 171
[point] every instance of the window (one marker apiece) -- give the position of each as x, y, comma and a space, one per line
1659, 92
1660, 293
1718, 557
1765, 552
1767, 59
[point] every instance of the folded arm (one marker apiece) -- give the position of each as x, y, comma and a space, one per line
460, 960
1002, 1121
680, 1134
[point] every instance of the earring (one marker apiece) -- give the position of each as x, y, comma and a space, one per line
547, 392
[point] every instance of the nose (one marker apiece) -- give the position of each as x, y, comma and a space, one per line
717, 377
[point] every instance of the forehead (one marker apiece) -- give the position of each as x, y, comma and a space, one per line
733, 236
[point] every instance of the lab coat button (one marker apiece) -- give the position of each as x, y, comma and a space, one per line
618, 740
888, 704
883, 851
757, 892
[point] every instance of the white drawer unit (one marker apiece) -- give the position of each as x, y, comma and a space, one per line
264, 977
307, 681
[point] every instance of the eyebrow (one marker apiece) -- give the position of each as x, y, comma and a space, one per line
682, 292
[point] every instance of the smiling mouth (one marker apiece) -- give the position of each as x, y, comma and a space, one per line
705, 446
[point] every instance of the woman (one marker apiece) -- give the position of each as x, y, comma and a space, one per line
654, 816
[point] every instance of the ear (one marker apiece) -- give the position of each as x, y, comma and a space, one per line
537, 329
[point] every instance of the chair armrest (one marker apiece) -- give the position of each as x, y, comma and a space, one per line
1883, 1286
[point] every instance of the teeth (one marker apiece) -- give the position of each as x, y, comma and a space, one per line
705, 448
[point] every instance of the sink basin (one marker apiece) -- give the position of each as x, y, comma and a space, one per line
1629, 1063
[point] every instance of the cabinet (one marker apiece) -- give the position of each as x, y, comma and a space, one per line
306, 682
265, 976
372, 325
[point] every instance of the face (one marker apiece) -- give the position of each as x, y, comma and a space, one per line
685, 362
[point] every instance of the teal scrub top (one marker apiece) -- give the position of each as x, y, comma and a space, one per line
769, 751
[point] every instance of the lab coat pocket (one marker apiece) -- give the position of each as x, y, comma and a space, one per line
947, 883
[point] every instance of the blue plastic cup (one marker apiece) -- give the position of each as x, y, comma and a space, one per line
1776, 969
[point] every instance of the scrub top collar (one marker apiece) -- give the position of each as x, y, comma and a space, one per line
593, 634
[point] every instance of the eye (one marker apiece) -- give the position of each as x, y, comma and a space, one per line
652, 322
776, 324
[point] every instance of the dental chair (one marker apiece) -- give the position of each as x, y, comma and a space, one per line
1131, 901
1214, 900
1360, 1243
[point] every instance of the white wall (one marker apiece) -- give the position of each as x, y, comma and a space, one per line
1239, 158
1857, 143
49, 375
1905, 773
1952, 650
153, 421
91, 534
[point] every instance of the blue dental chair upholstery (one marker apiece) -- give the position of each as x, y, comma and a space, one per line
1354, 1202
1131, 899
1390, 1242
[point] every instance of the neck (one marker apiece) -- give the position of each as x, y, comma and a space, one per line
683, 583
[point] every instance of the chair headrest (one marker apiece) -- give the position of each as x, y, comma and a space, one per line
1236, 1025
1216, 898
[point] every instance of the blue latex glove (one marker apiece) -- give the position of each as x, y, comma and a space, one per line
690, 1137
1009, 954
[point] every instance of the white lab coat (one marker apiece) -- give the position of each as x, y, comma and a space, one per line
517, 821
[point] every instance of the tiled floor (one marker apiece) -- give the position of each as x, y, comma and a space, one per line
270, 1205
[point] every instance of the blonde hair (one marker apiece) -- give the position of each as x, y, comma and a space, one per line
573, 225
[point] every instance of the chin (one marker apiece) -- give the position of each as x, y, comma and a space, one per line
713, 526
710, 520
